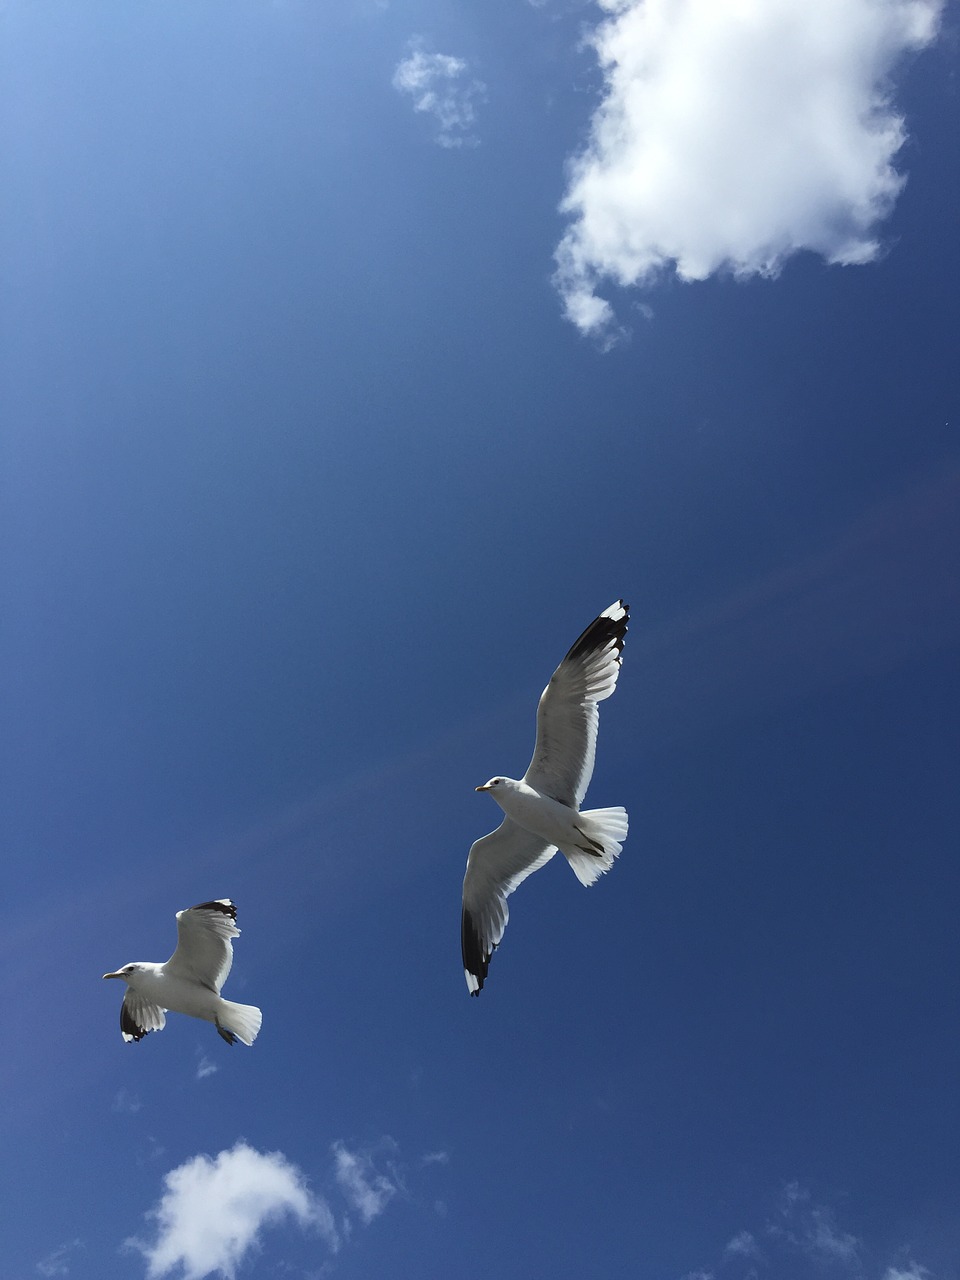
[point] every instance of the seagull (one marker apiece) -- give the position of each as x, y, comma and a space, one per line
191, 979
542, 810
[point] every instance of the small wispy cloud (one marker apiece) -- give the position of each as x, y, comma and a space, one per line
742, 1245
800, 1239
812, 1229
206, 1067
435, 1157
367, 1190
732, 135
126, 1103
155, 1151
443, 87
57, 1263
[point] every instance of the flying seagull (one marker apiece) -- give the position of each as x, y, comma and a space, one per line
542, 810
191, 979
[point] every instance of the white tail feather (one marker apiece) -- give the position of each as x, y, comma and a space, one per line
605, 829
242, 1019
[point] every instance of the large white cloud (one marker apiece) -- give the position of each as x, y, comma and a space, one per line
213, 1210
732, 134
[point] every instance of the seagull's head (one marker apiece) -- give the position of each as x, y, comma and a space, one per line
495, 784
126, 973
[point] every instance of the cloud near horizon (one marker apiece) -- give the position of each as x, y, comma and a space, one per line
441, 86
731, 135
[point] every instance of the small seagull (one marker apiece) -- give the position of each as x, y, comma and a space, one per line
543, 811
191, 979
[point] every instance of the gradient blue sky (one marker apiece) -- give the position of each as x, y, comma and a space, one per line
315, 459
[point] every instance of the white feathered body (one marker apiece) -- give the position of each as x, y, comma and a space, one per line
590, 839
180, 995
543, 811
191, 980
175, 994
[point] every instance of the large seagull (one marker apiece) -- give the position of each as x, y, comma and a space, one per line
542, 810
191, 979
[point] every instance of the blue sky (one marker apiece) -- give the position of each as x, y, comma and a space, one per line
353, 359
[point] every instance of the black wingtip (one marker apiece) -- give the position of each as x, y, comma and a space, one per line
223, 905
476, 961
609, 628
128, 1028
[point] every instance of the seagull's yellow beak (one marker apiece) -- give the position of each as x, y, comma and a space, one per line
113, 975
483, 788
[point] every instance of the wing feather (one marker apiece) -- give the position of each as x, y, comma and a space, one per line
496, 865
138, 1017
567, 715
204, 951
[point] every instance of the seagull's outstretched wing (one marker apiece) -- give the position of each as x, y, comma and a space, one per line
204, 951
138, 1017
497, 863
567, 716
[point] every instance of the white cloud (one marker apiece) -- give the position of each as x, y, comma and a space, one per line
367, 1191
812, 1229
802, 1240
212, 1212
206, 1067
57, 1262
435, 1157
126, 1102
742, 1245
441, 86
827, 1240
732, 134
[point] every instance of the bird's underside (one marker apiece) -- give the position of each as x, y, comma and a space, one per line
542, 811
